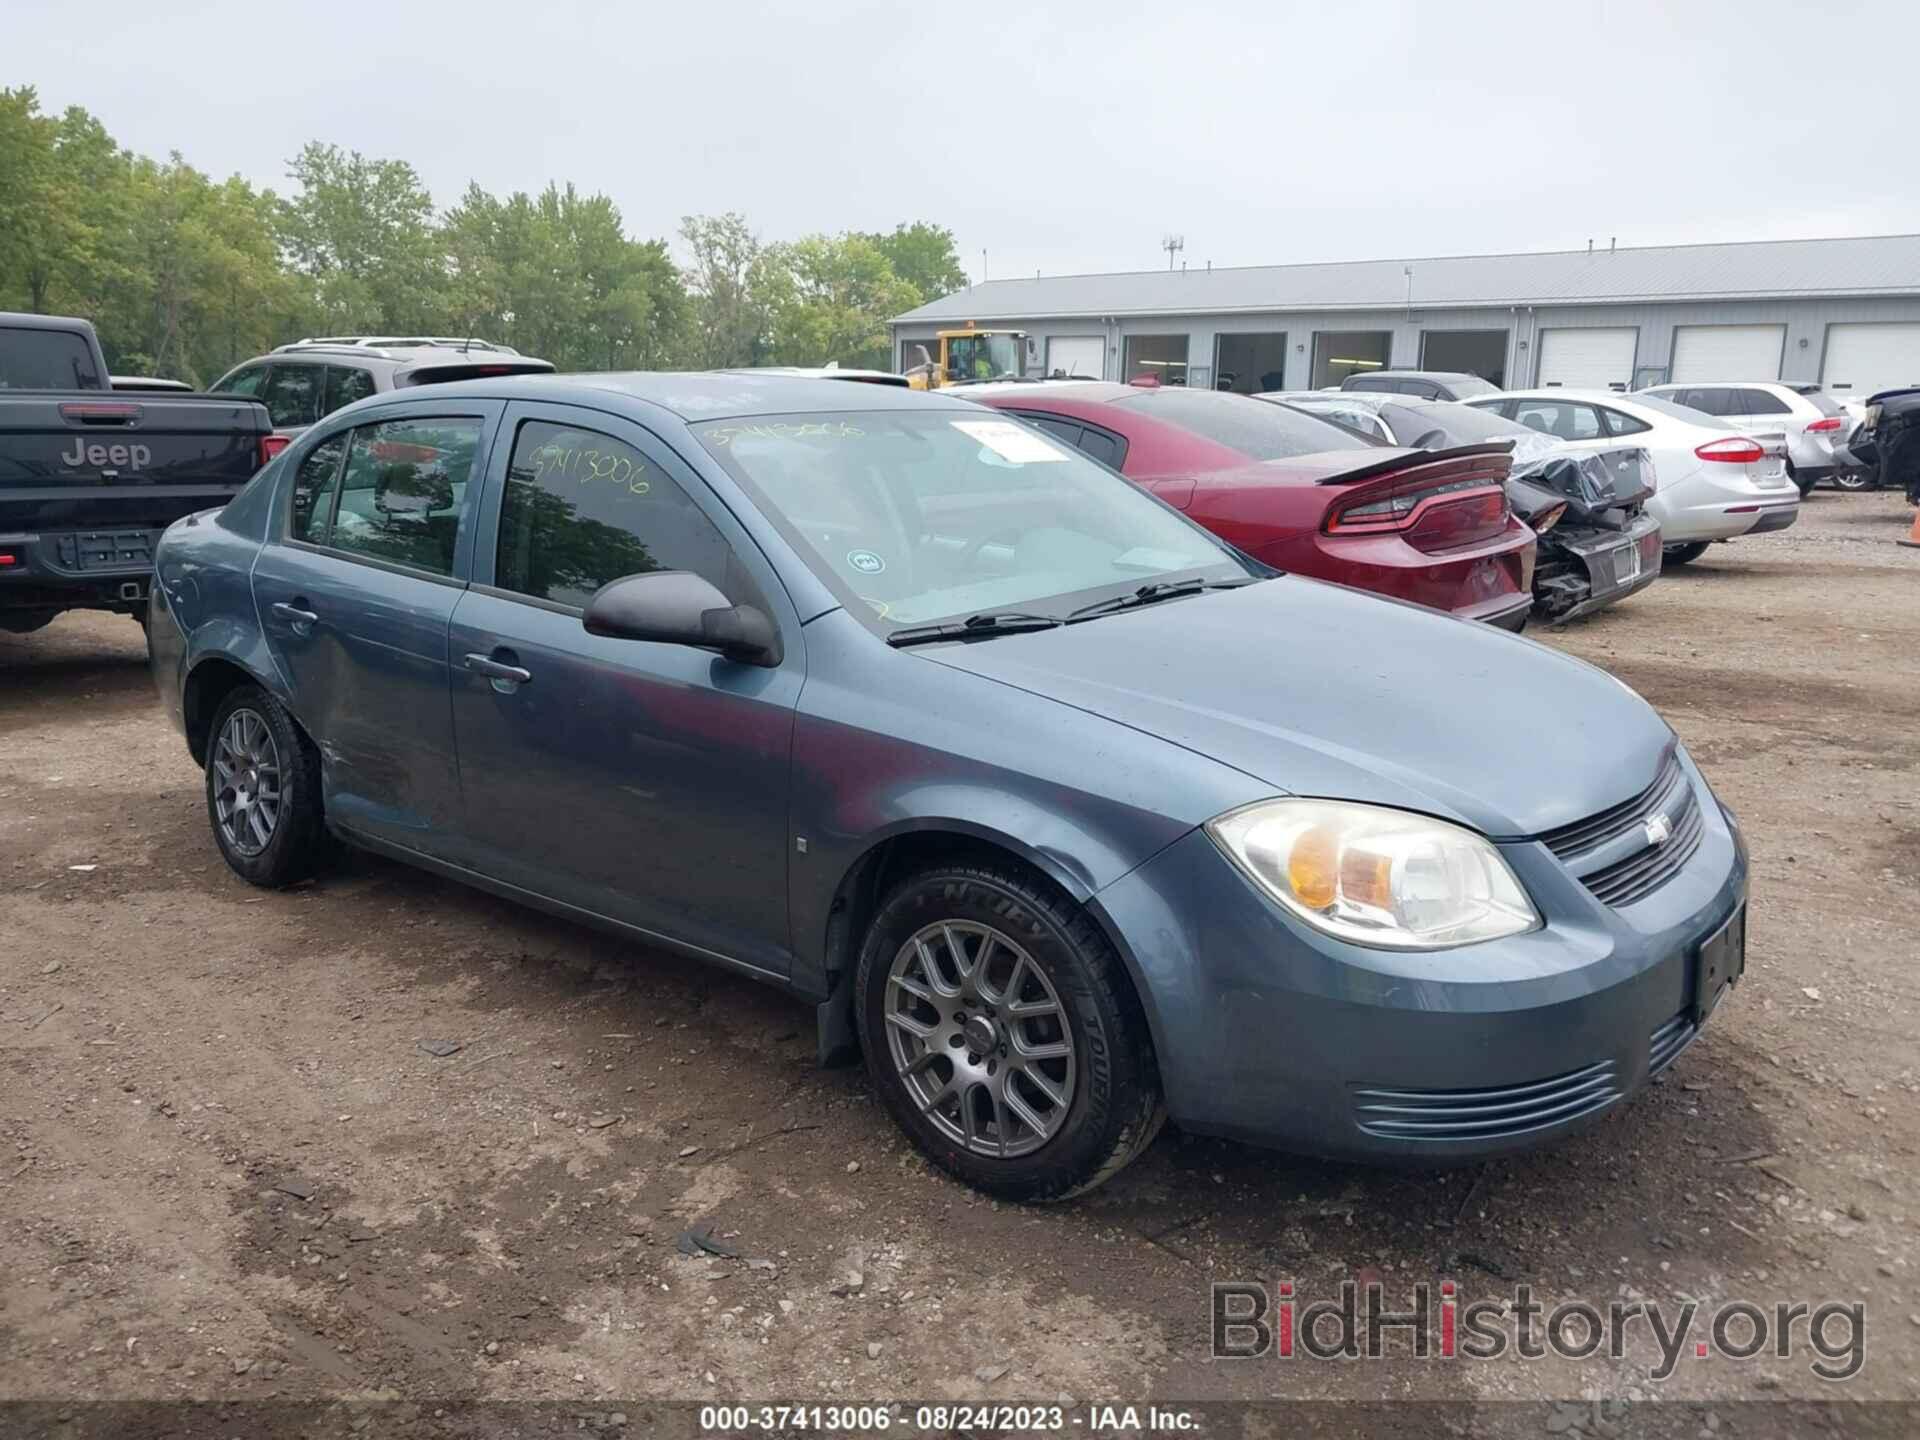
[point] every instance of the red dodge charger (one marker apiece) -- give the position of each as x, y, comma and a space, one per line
1303, 494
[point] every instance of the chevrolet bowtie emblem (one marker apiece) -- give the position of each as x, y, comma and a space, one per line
1658, 829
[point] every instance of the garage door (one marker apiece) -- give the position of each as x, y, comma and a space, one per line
1081, 355
1864, 358
1586, 359
1727, 352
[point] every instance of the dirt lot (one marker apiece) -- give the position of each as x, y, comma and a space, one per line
233, 1163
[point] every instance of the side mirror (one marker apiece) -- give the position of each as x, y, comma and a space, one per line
677, 607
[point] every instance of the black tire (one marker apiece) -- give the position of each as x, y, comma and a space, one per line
1683, 554
1854, 480
296, 842
1114, 1107
1806, 486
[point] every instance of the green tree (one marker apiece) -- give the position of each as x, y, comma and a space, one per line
923, 255
363, 229
727, 281
835, 297
42, 236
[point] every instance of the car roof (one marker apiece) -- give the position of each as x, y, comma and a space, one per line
1723, 385
822, 372
697, 395
1447, 376
1092, 390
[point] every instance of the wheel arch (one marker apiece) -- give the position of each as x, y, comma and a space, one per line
211, 679
913, 845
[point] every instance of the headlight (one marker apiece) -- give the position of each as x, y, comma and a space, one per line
1378, 877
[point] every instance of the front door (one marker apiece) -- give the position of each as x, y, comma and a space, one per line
639, 781
355, 595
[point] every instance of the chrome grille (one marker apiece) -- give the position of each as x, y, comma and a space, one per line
1647, 869
1596, 830
1668, 1041
1485, 1114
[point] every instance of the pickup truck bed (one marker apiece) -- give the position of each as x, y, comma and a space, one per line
89, 479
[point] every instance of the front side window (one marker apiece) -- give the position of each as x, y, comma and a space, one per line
292, 394
245, 381
917, 516
1255, 428
582, 509
402, 490
315, 485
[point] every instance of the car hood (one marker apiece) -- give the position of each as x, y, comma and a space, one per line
1319, 690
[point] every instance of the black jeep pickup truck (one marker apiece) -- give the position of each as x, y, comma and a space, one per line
90, 477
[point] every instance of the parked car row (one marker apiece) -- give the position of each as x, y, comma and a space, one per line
901, 702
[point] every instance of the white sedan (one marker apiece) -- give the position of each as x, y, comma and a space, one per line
1712, 482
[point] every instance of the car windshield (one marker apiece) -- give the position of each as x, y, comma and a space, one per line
917, 516
1257, 430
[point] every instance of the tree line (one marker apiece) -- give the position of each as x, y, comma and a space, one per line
185, 275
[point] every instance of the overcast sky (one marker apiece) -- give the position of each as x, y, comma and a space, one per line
1055, 137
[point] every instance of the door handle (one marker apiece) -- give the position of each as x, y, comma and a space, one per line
495, 670
301, 620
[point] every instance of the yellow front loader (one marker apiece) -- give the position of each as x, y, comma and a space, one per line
964, 355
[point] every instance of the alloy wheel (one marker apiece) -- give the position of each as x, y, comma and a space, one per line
246, 770
979, 1037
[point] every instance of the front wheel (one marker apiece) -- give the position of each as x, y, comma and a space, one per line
1854, 479
1003, 1033
263, 790
1683, 554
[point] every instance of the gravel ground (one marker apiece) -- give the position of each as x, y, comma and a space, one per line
235, 1162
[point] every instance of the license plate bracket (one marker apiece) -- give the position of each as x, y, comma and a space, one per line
1719, 963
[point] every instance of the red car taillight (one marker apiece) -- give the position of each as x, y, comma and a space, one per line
1832, 422
1730, 452
272, 445
1430, 516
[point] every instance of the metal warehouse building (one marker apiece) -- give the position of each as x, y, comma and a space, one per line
1843, 312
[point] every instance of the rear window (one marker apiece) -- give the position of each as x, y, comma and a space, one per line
1470, 385
1459, 424
1256, 429
1664, 405
1823, 402
33, 359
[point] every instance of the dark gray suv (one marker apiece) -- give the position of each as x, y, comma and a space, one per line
301, 382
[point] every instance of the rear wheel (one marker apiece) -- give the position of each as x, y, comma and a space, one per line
1001, 1030
263, 790
1683, 554
1806, 486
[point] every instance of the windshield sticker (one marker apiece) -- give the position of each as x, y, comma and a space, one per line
866, 562
724, 435
1011, 442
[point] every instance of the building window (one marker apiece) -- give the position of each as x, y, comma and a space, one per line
1340, 353
1157, 357
1469, 352
1251, 364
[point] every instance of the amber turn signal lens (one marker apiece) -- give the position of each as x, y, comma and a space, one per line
1311, 868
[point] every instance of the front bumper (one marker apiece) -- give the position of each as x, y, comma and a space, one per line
1269, 1032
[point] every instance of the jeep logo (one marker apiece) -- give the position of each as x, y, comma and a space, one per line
130, 457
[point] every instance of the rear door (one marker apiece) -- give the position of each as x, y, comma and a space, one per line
640, 781
355, 590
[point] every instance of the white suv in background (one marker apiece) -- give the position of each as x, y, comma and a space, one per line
1814, 423
1711, 480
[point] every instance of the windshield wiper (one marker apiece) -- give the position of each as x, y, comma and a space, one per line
988, 622
1159, 590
